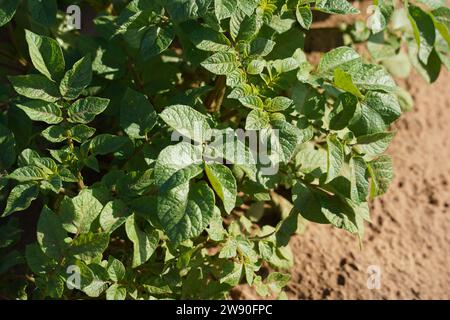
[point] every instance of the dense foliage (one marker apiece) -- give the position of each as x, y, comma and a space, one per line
115, 207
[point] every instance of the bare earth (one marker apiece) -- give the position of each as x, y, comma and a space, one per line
409, 237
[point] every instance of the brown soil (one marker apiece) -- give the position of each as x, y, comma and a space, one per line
409, 237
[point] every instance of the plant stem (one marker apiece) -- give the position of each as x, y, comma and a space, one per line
214, 100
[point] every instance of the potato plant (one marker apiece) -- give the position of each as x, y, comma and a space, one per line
125, 167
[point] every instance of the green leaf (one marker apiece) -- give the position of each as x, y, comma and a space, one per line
257, 119
85, 110
221, 63
248, 6
277, 281
144, 240
137, 116
344, 81
89, 246
441, 19
208, 39
106, 143
342, 57
185, 211
224, 184
156, 40
256, 66
381, 175
7, 10
38, 110
374, 144
38, 262
336, 6
252, 101
338, 213
78, 213
372, 77
359, 182
21, 197
7, 145
261, 47
28, 173
335, 157
289, 138
187, 122
183, 158
43, 12
61, 132
429, 71
304, 16
50, 234
343, 111
116, 292
77, 79
46, 55
225, 8
278, 104
116, 269
35, 86
424, 31
113, 215
377, 111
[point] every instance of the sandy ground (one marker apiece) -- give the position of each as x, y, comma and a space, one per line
409, 237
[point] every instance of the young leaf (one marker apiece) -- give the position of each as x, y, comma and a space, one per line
21, 197
38, 110
223, 183
76, 79
344, 81
85, 110
46, 55
35, 86
221, 63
